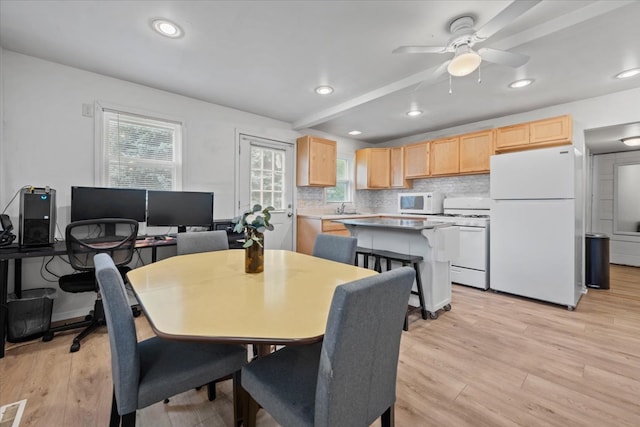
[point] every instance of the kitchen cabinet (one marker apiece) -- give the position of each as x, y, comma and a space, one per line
398, 179
553, 131
316, 162
416, 160
475, 151
373, 168
309, 228
540, 133
445, 156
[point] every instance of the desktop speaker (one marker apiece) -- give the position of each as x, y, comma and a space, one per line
37, 217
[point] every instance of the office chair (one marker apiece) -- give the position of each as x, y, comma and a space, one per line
348, 379
84, 239
152, 370
201, 241
336, 248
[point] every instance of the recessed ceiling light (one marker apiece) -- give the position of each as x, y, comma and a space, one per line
355, 132
628, 73
167, 28
631, 142
324, 90
414, 113
520, 83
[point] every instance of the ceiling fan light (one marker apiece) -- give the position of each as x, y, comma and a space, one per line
631, 142
465, 61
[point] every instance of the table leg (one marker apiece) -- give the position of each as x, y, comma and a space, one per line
4, 277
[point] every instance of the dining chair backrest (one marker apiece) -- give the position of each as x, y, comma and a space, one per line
336, 248
125, 362
360, 351
202, 241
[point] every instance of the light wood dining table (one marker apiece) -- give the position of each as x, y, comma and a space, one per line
209, 297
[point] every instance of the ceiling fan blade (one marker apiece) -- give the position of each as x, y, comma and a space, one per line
435, 75
420, 49
504, 18
503, 57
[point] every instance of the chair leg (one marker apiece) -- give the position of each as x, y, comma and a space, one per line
211, 391
240, 400
388, 417
423, 306
129, 420
114, 421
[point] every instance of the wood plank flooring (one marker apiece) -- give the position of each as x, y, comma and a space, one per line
493, 360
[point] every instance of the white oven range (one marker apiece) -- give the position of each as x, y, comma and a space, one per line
471, 214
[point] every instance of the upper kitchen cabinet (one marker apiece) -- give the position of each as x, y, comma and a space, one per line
553, 131
398, 179
316, 161
445, 156
416, 160
373, 168
475, 151
540, 133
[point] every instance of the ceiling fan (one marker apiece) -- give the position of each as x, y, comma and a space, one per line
464, 37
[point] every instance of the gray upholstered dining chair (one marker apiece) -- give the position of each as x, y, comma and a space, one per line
349, 379
336, 248
152, 370
202, 241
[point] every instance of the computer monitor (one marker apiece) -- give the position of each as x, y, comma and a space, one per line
179, 209
100, 202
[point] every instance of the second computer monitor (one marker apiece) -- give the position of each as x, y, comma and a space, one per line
179, 209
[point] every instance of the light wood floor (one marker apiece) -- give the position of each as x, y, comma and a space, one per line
494, 360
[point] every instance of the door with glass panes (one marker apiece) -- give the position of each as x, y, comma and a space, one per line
266, 178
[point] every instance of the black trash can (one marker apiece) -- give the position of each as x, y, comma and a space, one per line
30, 316
597, 265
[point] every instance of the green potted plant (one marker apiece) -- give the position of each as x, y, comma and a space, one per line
253, 223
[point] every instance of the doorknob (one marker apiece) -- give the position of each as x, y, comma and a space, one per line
289, 214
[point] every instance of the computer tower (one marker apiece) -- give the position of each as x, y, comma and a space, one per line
37, 217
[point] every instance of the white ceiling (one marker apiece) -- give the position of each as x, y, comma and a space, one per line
266, 57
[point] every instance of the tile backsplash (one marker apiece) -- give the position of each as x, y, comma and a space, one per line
311, 199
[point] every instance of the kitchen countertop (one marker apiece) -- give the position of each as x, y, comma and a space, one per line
358, 215
405, 224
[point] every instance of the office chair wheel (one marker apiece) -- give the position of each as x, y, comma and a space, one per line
74, 347
88, 317
48, 336
135, 311
447, 307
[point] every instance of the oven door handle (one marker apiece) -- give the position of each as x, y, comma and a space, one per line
474, 229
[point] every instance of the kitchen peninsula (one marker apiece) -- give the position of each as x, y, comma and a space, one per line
436, 242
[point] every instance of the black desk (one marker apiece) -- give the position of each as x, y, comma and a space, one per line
12, 252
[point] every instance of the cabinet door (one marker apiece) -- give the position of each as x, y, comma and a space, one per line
512, 136
553, 130
316, 161
308, 229
416, 160
397, 168
475, 151
445, 156
372, 168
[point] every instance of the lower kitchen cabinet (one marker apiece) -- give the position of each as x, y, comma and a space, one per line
309, 228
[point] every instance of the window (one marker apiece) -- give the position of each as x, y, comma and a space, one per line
342, 191
267, 177
140, 152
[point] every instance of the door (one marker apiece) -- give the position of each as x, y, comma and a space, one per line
266, 177
532, 249
547, 173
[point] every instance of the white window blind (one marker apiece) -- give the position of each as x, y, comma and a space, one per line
344, 183
140, 152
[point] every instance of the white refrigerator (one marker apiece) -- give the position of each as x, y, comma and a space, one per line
537, 224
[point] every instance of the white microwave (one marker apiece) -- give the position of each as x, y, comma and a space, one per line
420, 203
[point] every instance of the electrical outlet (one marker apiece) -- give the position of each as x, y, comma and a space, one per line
87, 110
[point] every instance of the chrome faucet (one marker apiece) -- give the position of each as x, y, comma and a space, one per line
340, 210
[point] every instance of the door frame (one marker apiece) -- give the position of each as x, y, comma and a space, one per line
283, 136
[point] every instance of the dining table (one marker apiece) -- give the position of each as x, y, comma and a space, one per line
209, 297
